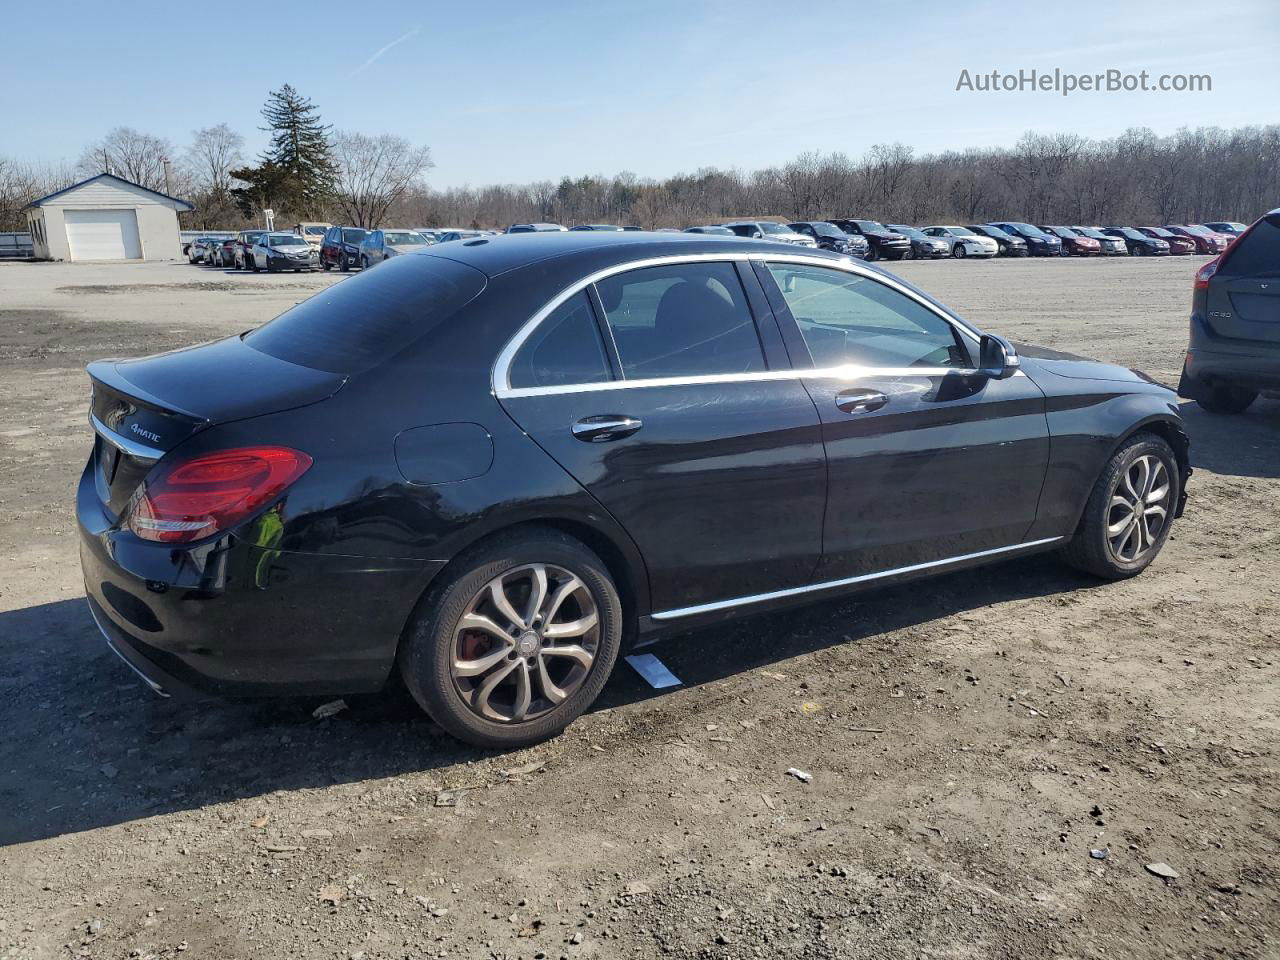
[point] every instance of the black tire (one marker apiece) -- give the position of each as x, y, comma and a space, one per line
326, 267
364, 262
345, 265
426, 655
872, 253
1090, 549
909, 254
958, 251
1226, 399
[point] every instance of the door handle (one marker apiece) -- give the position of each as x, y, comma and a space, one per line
860, 401
608, 426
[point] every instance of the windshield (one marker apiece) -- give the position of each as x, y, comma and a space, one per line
403, 238
284, 240
961, 231
1195, 228
871, 226
1028, 230
721, 231
773, 228
906, 231
1131, 233
824, 229
1162, 232
352, 235
1065, 232
1090, 232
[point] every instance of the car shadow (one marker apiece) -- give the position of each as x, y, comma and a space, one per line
1243, 445
87, 745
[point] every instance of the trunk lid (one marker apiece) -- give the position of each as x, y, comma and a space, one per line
141, 409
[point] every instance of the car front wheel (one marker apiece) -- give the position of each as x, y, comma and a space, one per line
1130, 510
516, 643
958, 251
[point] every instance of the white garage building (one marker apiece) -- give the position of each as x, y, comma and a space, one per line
106, 218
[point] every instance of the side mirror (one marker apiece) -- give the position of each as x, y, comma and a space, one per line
757, 235
996, 358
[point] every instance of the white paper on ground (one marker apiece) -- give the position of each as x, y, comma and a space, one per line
653, 670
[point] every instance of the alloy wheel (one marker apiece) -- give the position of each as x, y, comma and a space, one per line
525, 643
1139, 508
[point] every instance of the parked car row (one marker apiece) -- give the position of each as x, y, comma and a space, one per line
329, 246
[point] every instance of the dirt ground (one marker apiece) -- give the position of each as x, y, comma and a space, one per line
971, 738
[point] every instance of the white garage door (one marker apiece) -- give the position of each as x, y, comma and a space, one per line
103, 235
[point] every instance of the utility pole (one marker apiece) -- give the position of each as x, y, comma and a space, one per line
168, 175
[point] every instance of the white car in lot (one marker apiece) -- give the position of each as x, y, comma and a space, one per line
283, 251
768, 230
964, 242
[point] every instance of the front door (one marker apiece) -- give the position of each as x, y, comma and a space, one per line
927, 461
653, 390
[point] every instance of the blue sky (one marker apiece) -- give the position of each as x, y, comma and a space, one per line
512, 92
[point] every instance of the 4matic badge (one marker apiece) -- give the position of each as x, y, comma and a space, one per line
144, 433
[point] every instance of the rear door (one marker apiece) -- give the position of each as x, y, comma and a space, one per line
927, 461
1244, 294
665, 391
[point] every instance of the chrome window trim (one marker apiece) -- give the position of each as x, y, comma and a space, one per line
123, 444
501, 372
844, 582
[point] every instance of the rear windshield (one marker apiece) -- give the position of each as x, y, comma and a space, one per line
358, 323
1257, 253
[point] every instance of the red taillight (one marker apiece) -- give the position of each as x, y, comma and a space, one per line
1205, 272
193, 499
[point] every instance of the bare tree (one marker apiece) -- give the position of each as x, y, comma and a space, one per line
127, 153
374, 172
211, 156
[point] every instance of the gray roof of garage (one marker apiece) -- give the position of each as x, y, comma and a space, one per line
110, 176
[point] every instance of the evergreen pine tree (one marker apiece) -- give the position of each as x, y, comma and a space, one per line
299, 151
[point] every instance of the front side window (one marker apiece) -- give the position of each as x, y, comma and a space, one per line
682, 320
847, 318
564, 349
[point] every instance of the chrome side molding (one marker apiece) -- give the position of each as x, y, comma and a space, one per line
847, 581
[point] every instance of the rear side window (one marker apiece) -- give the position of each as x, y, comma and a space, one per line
682, 320
564, 349
360, 322
1257, 254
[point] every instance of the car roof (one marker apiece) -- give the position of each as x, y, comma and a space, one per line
499, 254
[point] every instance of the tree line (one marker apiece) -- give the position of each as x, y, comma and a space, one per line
311, 172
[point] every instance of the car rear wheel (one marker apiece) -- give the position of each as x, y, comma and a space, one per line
1130, 511
1227, 399
516, 643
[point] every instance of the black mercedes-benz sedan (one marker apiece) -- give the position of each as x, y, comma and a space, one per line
493, 465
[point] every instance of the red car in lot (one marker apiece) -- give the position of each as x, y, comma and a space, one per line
1075, 244
1179, 246
1206, 240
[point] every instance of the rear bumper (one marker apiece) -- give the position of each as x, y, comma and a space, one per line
234, 618
1253, 366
